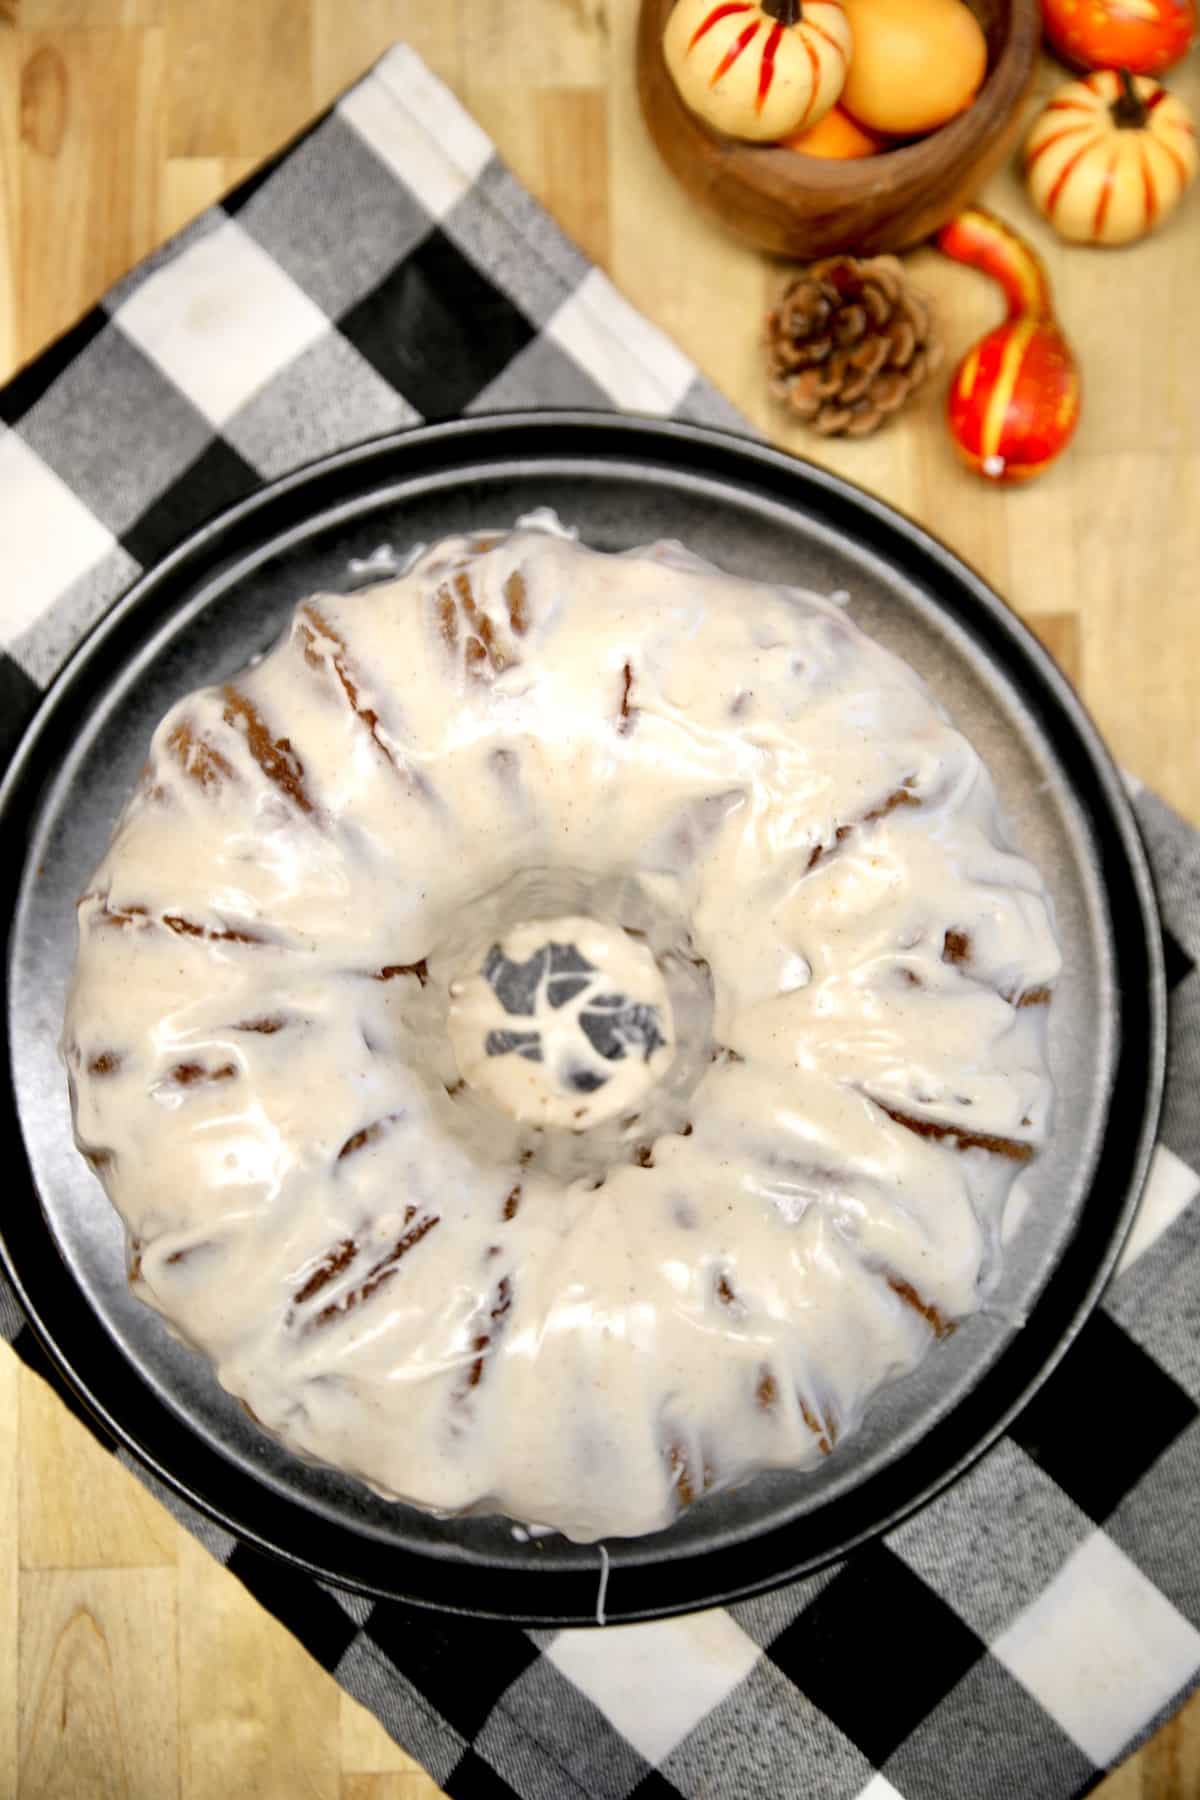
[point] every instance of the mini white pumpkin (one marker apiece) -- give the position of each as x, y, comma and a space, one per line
1110, 157
758, 69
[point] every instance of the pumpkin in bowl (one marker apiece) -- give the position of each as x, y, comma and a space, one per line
1110, 158
758, 69
837, 138
916, 63
806, 207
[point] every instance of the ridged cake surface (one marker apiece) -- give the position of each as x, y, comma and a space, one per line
560, 1030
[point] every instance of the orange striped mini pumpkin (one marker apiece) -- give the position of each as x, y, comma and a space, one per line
758, 69
1110, 157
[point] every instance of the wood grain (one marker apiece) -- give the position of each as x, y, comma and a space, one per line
344, 48
191, 184
99, 1707
576, 190
121, 1526
82, 15
91, 109
9, 1566
209, 114
131, 1665
257, 1715
397, 1786
1166, 1769
11, 239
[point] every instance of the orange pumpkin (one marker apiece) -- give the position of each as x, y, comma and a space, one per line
836, 139
758, 69
1110, 158
1014, 399
1143, 36
916, 63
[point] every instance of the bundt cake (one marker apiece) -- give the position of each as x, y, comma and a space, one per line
560, 1029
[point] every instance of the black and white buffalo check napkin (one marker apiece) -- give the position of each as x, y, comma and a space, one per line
1023, 1632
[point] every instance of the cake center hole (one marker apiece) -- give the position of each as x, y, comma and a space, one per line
562, 1022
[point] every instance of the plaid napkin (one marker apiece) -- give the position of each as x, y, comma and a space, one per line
1023, 1632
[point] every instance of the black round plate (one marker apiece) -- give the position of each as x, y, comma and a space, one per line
222, 597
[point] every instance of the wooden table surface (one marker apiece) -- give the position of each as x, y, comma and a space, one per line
131, 1665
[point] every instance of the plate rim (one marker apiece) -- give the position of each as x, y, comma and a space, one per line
680, 1584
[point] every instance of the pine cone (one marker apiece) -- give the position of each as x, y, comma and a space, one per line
848, 343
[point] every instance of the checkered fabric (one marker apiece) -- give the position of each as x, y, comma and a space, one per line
1024, 1631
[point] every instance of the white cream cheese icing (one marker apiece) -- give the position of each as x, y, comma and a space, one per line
791, 854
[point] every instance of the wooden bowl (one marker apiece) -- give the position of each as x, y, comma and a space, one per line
802, 206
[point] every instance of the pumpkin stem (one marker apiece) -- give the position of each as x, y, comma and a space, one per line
1129, 113
787, 12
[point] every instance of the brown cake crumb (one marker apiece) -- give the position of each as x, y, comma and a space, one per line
274, 756
486, 1340
190, 928
625, 718
956, 947
903, 796
192, 1074
822, 1429
370, 1134
938, 1323
334, 1262
683, 1476
390, 971
200, 761
517, 600
955, 1135
382, 1271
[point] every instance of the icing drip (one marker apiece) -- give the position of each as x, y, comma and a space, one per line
602, 1595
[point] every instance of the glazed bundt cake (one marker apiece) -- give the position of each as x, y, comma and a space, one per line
561, 1028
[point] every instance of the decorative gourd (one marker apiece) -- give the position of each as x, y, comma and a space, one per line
1014, 398
758, 69
916, 64
1110, 158
1143, 36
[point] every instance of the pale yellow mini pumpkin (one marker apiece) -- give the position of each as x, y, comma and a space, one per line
1110, 157
758, 69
